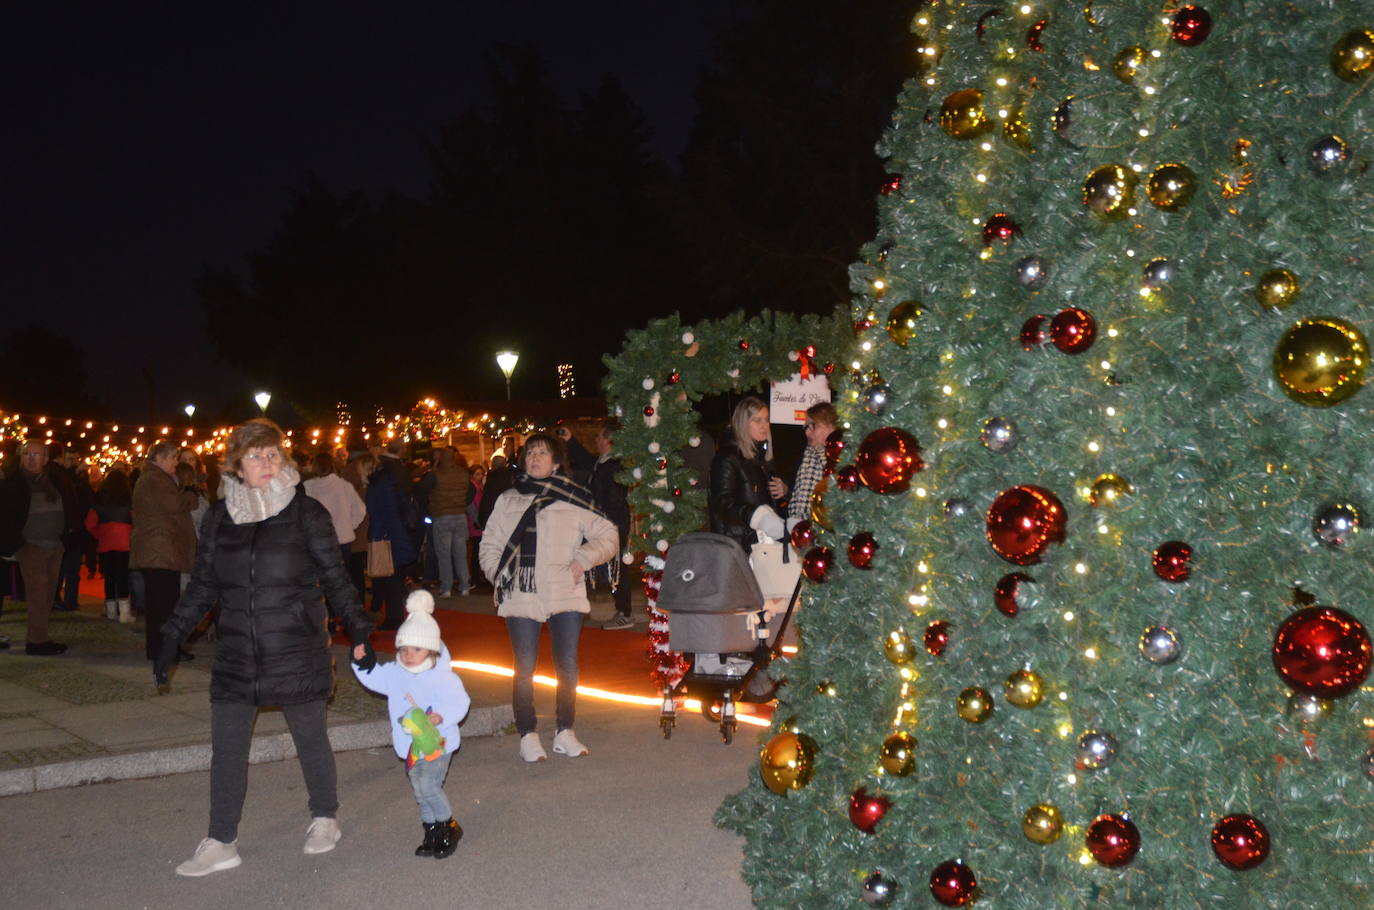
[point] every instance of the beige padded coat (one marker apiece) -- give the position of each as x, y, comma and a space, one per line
566, 533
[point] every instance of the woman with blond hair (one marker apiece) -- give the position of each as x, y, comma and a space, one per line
745, 487
269, 556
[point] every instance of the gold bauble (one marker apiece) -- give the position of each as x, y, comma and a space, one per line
1016, 129
1352, 57
974, 704
1024, 689
901, 322
1321, 361
1107, 489
898, 754
787, 762
1128, 63
1171, 186
1042, 824
1110, 190
1277, 288
962, 115
820, 514
898, 647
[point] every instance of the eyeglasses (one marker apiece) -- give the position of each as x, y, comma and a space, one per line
255, 458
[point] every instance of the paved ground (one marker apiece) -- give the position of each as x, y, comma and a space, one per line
628, 826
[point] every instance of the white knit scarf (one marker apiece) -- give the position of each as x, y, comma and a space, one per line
247, 504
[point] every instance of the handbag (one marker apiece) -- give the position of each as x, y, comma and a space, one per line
775, 568
379, 564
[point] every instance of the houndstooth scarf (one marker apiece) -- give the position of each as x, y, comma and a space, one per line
516, 568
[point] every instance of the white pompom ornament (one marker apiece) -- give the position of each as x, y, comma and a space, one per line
637, 474
648, 384
694, 441
688, 338
662, 546
654, 447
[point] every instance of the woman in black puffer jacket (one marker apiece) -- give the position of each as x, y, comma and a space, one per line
745, 487
269, 556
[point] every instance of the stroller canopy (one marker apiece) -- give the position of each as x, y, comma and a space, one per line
708, 573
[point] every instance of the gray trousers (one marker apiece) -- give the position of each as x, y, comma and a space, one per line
231, 736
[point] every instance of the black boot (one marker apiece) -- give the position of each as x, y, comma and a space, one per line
447, 840
431, 835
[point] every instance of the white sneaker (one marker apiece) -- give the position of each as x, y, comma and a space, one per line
444, 593
565, 742
211, 856
530, 749
322, 835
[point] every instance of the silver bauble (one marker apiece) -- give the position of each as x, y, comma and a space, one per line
1328, 152
955, 507
1335, 524
1160, 645
1031, 272
1158, 272
1309, 708
879, 890
1095, 750
876, 398
1000, 435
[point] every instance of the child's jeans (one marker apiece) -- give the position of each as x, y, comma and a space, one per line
427, 780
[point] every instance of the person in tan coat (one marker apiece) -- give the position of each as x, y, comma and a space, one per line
543, 536
163, 543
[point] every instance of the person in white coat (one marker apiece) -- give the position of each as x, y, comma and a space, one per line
543, 536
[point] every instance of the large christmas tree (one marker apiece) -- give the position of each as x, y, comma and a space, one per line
1091, 626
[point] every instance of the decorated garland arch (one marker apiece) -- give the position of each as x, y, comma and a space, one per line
654, 384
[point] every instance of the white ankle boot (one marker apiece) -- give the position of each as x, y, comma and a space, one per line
126, 610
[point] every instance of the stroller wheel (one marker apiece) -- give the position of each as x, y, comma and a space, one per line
666, 723
727, 731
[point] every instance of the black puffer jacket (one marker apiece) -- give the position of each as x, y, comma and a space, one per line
270, 579
739, 485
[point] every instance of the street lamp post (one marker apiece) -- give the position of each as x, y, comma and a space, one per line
190, 410
506, 360
262, 398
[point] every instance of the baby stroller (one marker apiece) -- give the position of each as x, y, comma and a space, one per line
716, 618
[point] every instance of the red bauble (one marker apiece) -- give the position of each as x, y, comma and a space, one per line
744, 344
674, 377
1322, 651
937, 637
1033, 35
648, 410
1033, 334
1023, 521
1191, 26
1000, 228
862, 546
829, 368
847, 478
1004, 595
803, 535
834, 448
893, 185
1240, 841
888, 457
1073, 330
953, 883
1173, 561
866, 810
817, 562
1113, 840
677, 491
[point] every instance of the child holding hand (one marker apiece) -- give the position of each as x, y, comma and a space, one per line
425, 700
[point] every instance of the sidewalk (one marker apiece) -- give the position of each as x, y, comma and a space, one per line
93, 714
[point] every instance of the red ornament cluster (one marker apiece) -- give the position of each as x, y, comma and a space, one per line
1023, 521
1173, 561
1113, 840
1322, 651
888, 458
1071, 330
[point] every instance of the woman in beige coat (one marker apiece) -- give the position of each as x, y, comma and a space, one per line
163, 543
543, 536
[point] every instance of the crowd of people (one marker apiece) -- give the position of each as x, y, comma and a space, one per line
279, 548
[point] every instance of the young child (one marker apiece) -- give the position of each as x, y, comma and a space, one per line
425, 700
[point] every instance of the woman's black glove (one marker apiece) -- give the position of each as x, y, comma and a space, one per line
162, 666
369, 658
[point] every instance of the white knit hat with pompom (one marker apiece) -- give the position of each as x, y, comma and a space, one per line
420, 629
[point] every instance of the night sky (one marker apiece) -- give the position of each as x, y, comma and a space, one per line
146, 142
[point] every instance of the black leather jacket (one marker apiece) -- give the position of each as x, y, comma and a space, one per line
739, 485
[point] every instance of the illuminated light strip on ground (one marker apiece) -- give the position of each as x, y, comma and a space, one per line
691, 704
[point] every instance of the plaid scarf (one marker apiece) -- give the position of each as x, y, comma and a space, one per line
516, 568
809, 474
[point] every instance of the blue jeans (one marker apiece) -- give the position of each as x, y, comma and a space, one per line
427, 781
451, 550
564, 630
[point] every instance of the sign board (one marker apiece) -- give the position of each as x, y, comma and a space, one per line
789, 400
